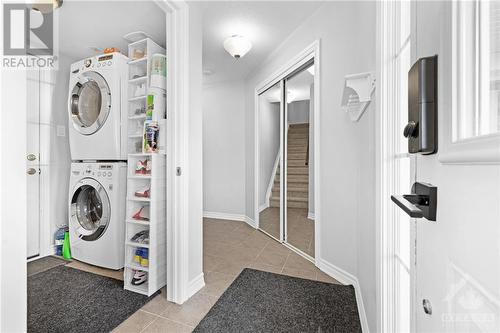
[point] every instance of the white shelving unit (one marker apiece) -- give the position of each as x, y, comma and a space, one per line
153, 207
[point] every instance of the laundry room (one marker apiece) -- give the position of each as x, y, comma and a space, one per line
97, 163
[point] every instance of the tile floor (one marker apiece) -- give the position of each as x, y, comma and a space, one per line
300, 228
229, 247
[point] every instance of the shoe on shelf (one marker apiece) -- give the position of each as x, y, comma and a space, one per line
143, 192
142, 214
141, 237
139, 278
143, 167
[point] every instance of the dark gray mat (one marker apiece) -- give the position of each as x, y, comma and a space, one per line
265, 302
64, 299
45, 263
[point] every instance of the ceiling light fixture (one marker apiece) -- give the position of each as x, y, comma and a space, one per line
237, 46
46, 6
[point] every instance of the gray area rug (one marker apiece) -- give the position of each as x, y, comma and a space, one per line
45, 263
64, 299
266, 302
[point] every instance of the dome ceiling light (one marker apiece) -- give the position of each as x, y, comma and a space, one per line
237, 46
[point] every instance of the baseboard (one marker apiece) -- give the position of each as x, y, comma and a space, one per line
195, 285
250, 222
225, 216
311, 216
346, 278
263, 206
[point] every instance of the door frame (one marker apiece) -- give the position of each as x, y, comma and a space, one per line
385, 241
310, 52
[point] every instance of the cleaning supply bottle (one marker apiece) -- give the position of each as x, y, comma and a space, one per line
66, 251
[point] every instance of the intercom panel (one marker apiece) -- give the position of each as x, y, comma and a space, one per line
421, 129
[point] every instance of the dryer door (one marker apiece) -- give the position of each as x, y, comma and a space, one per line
90, 209
89, 103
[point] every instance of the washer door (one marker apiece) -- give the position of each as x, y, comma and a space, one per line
90, 209
89, 103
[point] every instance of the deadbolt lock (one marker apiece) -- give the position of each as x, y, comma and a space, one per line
31, 157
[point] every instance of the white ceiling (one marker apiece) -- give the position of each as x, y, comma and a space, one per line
265, 23
102, 24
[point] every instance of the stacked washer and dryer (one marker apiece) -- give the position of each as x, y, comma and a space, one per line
98, 144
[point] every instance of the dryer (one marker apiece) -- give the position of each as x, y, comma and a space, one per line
96, 213
97, 106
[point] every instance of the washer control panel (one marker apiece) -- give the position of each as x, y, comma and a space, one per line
102, 170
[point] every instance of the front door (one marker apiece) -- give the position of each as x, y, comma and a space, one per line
458, 256
33, 169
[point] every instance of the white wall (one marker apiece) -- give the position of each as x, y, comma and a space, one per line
224, 148
298, 112
269, 144
59, 153
347, 34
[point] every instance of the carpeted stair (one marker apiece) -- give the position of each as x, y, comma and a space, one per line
298, 170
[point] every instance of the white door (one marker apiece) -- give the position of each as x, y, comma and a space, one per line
458, 255
33, 163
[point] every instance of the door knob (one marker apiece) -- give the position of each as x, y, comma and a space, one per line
31, 171
31, 157
421, 203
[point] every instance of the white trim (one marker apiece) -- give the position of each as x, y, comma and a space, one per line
224, 216
250, 222
263, 206
195, 285
310, 52
470, 151
310, 216
348, 279
177, 17
230, 217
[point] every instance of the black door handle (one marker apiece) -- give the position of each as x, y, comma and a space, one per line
421, 203
407, 206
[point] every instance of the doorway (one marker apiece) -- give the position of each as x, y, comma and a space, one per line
285, 158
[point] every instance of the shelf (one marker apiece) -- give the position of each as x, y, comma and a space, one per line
137, 98
141, 79
130, 243
137, 117
137, 267
137, 61
142, 289
139, 176
140, 154
139, 199
139, 76
138, 222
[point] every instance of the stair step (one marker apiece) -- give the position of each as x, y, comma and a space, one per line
296, 126
302, 170
291, 194
294, 179
297, 156
290, 204
296, 163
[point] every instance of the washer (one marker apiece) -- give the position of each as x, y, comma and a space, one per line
96, 213
97, 108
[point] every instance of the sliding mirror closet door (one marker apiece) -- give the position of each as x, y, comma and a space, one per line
269, 128
299, 113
